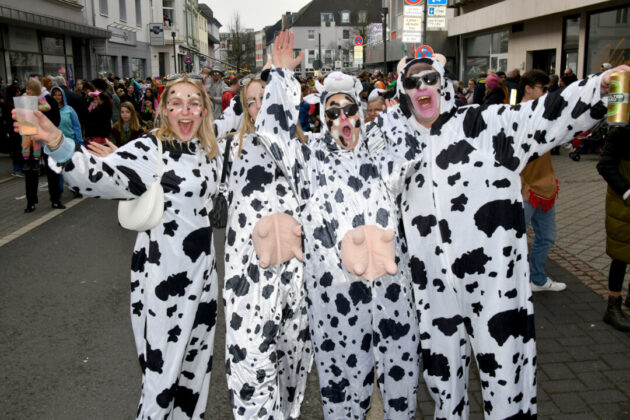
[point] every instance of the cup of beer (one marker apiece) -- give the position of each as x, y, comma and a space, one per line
24, 107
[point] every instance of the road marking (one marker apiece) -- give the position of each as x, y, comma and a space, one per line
43, 219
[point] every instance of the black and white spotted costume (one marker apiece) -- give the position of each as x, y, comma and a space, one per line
355, 324
173, 277
463, 217
268, 345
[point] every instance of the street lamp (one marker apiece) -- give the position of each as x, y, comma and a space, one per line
174, 34
384, 11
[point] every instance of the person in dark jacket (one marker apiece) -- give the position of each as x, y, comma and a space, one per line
14, 139
31, 176
131, 96
614, 166
480, 89
99, 123
494, 93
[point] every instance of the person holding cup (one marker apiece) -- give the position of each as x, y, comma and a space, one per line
31, 150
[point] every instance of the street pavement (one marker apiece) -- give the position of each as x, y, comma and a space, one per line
67, 350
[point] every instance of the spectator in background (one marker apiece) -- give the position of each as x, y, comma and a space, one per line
513, 77
469, 92
215, 88
131, 96
568, 77
494, 92
614, 166
99, 123
605, 66
149, 95
480, 89
376, 105
233, 89
127, 127
73, 99
47, 84
553, 83
103, 86
15, 140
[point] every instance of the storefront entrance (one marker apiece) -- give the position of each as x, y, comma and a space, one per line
544, 60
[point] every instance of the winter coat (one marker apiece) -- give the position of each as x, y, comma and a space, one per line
69, 121
614, 166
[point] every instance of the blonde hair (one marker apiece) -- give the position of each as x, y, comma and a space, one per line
206, 129
134, 124
34, 86
248, 125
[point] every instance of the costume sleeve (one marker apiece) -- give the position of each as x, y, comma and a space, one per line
231, 119
528, 130
123, 174
608, 166
276, 127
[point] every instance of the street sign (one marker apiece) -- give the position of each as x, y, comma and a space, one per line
412, 24
358, 40
187, 59
436, 23
358, 52
436, 2
424, 51
436, 11
414, 2
412, 11
411, 37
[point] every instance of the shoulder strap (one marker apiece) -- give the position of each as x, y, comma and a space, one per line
159, 158
226, 156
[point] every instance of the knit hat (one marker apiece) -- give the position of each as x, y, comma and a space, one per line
492, 81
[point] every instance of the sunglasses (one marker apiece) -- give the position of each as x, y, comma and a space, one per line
544, 88
348, 110
414, 82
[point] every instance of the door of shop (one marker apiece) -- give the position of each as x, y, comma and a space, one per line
544, 60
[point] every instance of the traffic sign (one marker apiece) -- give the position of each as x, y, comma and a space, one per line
436, 23
411, 37
412, 24
358, 40
412, 11
415, 2
436, 11
424, 51
436, 2
188, 59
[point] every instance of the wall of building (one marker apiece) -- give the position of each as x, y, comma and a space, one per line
543, 33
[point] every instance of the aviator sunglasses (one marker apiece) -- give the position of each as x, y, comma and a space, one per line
414, 82
348, 110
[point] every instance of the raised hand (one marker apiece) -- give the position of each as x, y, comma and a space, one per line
47, 131
606, 77
368, 252
283, 51
102, 150
277, 238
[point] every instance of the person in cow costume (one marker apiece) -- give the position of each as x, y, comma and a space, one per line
455, 174
360, 305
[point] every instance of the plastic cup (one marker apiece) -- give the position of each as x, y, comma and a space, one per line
24, 107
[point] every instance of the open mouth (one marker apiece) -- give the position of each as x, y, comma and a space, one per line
185, 126
346, 131
425, 103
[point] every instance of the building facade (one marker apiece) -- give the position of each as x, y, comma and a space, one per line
48, 37
540, 34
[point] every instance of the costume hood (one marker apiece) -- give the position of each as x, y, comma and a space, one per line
447, 94
63, 94
338, 82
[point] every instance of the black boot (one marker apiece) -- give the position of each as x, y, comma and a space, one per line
614, 316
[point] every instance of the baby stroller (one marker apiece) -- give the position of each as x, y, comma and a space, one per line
590, 141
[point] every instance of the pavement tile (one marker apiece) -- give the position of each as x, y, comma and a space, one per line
612, 411
582, 353
547, 408
617, 360
608, 395
556, 370
618, 375
579, 340
574, 416
569, 402
610, 348
596, 380
588, 366
562, 385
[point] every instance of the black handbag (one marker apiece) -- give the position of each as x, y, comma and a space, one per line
219, 213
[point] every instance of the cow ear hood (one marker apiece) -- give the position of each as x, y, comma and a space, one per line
338, 82
447, 102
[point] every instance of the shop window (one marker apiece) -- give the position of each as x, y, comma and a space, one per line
122, 6
484, 52
311, 34
138, 13
105, 64
23, 64
103, 7
52, 45
570, 36
608, 39
137, 68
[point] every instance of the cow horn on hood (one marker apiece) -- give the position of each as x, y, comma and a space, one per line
401, 64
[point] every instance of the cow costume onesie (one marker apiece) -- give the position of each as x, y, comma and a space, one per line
355, 324
268, 346
459, 192
173, 277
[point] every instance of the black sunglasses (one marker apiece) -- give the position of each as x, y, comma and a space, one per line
348, 110
428, 79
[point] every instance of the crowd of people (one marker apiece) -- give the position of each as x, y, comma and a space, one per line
375, 222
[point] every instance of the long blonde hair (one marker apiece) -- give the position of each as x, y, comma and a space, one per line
206, 129
248, 125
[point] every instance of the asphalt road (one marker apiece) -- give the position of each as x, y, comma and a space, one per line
66, 345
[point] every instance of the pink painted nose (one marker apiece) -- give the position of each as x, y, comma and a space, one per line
343, 116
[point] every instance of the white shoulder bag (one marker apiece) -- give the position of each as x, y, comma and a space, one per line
145, 212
